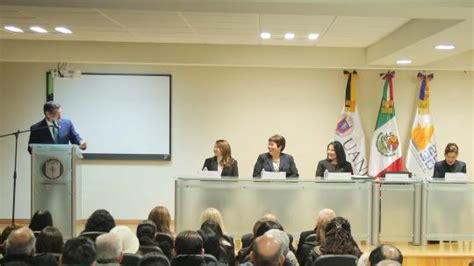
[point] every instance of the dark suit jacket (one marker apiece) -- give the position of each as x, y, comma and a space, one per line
264, 161
324, 165
211, 165
67, 133
441, 168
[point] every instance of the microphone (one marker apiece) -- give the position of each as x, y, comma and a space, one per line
55, 124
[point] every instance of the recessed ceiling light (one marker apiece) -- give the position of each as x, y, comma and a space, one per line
63, 30
265, 35
289, 36
404, 62
38, 29
313, 36
13, 29
444, 47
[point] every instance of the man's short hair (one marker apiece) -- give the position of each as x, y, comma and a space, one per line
109, 248
21, 242
188, 243
272, 253
50, 106
79, 250
385, 252
154, 259
282, 237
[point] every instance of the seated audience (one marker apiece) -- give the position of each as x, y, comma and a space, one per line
40, 220
228, 248
267, 250
188, 249
212, 246
338, 240
305, 247
154, 259
79, 251
130, 243
146, 232
19, 248
290, 258
109, 249
247, 238
4, 236
162, 219
99, 221
380, 253
49, 240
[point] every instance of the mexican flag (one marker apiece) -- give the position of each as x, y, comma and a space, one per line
385, 150
349, 129
422, 152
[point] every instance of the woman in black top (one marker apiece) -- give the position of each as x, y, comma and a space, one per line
450, 164
222, 160
335, 161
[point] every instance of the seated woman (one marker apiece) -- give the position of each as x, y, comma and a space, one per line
275, 160
162, 219
335, 161
450, 164
40, 220
222, 160
338, 241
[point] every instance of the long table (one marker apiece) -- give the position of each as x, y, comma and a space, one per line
378, 210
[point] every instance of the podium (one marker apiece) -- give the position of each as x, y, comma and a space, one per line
56, 184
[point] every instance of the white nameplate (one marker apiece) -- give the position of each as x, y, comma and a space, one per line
208, 174
456, 177
338, 176
273, 175
397, 177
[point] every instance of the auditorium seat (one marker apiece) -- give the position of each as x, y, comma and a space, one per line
166, 243
130, 259
91, 235
148, 249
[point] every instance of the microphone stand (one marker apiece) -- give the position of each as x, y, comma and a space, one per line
16, 134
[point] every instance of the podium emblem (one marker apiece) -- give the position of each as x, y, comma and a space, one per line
52, 169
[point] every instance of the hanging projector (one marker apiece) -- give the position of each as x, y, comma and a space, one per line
63, 72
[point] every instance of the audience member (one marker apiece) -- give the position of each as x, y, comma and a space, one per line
109, 249
162, 219
130, 243
40, 220
79, 251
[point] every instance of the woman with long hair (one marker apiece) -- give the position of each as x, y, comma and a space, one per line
335, 160
222, 160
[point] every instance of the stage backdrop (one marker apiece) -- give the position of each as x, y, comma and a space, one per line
242, 104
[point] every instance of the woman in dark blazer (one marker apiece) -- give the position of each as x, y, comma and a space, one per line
335, 161
450, 164
222, 160
275, 160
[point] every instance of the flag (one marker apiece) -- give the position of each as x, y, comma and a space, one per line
349, 129
422, 152
385, 150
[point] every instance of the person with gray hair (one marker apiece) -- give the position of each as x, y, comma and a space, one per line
20, 247
109, 249
290, 258
267, 251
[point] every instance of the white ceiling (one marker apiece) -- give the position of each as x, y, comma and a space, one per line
195, 27
387, 29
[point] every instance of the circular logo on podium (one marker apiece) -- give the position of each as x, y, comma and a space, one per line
52, 169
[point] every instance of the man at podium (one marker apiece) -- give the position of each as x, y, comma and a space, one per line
53, 129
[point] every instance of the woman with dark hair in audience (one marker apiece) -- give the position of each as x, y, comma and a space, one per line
212, 246
100, 221
40, 220
275, 160
49, 243
49, 240
450, 164
226, 246
338, 241
162, 219
335, 160
146, 232
222, 160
